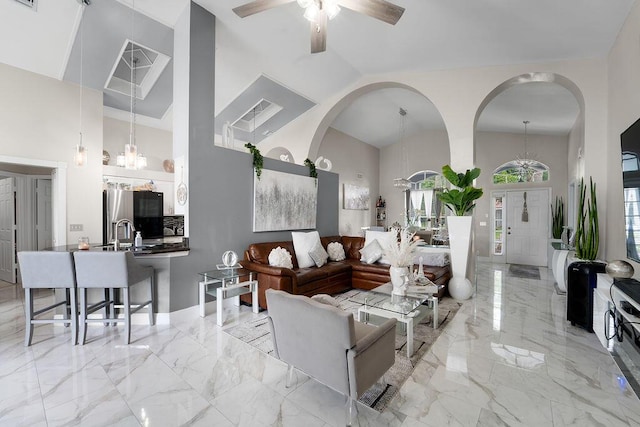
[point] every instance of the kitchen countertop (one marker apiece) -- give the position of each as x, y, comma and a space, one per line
145, 249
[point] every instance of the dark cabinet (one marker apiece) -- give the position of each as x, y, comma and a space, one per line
582, 279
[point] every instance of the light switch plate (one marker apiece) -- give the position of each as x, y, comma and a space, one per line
75, 227
483, 223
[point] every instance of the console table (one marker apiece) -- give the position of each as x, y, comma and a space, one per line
223, 284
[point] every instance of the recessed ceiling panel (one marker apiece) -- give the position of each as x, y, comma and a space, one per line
273, 104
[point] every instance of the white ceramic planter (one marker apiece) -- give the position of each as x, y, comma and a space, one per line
459, 227
399, 280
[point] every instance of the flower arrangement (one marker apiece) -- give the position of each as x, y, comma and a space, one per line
400, 253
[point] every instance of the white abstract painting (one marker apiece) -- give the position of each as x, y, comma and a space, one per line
356, 197
284, 201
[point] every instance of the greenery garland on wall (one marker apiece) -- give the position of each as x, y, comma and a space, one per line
313, 173
257, 158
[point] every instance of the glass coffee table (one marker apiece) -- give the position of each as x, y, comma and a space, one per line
406, 308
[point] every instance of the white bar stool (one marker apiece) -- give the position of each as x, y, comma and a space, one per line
48, 270
111, 270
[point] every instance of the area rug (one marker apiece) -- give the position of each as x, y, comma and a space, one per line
524, 271
257, 333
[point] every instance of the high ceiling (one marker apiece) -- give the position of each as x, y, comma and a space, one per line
431, 35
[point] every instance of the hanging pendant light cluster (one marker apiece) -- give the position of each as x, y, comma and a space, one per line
80, 151
402, 183
131, 158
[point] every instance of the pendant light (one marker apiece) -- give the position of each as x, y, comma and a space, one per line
402, 183
80, 151
130, 149
527, 163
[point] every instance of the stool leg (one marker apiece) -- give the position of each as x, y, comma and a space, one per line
67, 306
109, 306
83, 315
28, 308
127, 315
151, 316
74, 317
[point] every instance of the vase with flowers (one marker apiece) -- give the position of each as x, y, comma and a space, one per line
400, 256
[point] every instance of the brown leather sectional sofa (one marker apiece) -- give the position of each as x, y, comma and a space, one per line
333, 277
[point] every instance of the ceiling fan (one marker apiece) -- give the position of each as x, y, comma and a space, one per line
318, 12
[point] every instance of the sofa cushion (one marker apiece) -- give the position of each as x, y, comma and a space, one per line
280, 257
306, 275
303, 243
335, 250
259, 252
384, 238
318, 255
371, 252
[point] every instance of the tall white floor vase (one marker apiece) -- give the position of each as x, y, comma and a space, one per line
460, 287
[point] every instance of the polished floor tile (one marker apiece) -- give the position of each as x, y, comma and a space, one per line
508, 358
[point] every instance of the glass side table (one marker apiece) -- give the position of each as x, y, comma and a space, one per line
226, 283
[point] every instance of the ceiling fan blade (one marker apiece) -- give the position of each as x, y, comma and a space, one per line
257, 6
379, 9
319, 33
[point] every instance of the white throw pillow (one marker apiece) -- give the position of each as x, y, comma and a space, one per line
280, 257
318, 255
303, 243
384, 238
371, 252
336, 251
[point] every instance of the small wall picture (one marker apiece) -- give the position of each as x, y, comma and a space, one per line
356, 197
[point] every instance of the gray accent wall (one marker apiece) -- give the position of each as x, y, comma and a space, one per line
221, 180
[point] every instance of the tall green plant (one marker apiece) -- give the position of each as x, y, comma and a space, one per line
587, 232
557, 217
460, 200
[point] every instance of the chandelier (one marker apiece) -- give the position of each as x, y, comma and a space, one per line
527, 163
313, 7
402, 183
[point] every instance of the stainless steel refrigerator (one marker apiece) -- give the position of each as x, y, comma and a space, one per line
143, 208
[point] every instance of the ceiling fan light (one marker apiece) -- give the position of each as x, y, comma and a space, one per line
305, 3
332, 9
311, 12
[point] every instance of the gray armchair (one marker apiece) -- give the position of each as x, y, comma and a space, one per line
327, 344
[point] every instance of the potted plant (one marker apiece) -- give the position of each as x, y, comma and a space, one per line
461, 201
587, 233
400, 256
557, 218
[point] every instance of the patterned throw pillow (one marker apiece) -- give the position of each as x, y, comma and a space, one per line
319, 255
371, 253
280, 257
336, 251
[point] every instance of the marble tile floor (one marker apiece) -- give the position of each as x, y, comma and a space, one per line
508, 358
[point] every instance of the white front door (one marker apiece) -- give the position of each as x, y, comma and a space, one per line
7, 230
44, 217
527, 240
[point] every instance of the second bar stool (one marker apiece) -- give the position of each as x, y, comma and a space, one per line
113, 271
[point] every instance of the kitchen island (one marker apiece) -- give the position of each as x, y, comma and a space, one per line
157, 254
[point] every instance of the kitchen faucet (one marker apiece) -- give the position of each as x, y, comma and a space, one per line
126, 222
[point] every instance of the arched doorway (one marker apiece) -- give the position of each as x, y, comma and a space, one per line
553, 106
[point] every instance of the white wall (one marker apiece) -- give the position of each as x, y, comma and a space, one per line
351, 158
493, 149
624, 109
428, 150
41, 120
156, 144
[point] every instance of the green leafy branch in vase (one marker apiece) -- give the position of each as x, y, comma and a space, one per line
460, 200
258, 160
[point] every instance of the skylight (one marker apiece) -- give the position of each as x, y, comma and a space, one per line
149, 67
262, 111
